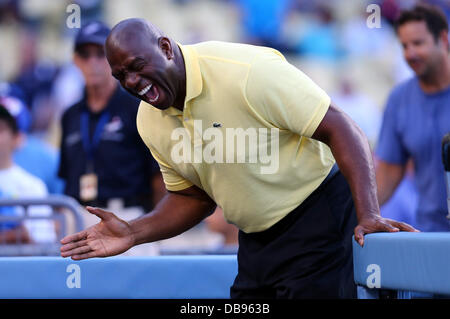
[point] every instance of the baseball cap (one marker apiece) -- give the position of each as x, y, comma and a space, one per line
12, 100
94, 32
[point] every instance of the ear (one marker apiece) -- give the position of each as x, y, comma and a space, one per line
166, 47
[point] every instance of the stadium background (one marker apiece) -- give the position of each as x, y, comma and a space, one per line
330, 41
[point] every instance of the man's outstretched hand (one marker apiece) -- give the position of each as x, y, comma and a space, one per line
379, 224
111, 236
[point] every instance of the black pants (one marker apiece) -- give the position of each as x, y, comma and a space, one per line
307, 254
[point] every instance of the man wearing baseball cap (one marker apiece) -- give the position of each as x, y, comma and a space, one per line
92, 33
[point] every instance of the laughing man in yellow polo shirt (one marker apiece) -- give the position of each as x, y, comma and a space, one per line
237, 126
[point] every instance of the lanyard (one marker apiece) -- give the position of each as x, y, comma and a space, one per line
89, 145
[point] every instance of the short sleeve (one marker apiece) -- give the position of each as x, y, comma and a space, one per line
285, 97
173, 181
389, 147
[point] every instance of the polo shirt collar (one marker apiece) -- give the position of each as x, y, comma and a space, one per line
194, 84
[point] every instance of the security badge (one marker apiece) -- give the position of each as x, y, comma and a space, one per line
88, 187
89, 180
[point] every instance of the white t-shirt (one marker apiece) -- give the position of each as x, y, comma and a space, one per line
15, 182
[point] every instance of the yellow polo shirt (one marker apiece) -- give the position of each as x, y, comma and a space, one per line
244, 134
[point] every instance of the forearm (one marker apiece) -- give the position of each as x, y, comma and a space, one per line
351, 150
173, 215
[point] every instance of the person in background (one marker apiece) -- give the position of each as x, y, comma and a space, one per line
15, 182
402, 205
32, 154
417, 116
36, 77
103, 160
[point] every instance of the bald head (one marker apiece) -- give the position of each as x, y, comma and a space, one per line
148, 64
133, 30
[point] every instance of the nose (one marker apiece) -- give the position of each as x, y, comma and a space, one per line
131, 81
409, 52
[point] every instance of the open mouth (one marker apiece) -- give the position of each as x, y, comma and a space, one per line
145, 90
150, 93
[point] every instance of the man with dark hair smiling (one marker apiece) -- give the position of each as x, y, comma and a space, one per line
417, 116
295, 224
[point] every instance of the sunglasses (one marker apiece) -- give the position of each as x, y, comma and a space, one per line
86, 53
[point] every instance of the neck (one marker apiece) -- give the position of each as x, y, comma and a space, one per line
438, 79
181, 88
98, 95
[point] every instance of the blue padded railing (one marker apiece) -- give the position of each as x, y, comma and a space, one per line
404, 261
159, 277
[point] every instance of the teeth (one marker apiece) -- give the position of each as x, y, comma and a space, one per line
145, 90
